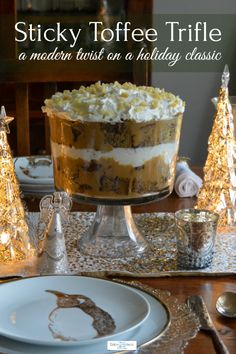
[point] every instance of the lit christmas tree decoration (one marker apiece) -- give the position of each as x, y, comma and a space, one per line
218, 192
14, 239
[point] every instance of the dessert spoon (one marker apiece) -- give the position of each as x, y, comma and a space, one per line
226, 304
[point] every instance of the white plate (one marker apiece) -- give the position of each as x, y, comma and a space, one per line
37, 194
40, 193
69, 310
34, 169
37, 187
155, 325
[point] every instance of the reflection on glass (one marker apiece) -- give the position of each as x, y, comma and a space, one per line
58, 5
48, 13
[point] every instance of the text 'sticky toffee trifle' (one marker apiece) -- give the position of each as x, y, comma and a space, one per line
115, 142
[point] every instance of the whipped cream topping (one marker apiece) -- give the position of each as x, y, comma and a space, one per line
114, 103
124, 156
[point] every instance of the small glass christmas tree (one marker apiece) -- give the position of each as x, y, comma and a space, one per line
14, 240
218, 192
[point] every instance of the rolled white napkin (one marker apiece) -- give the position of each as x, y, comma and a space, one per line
187, 183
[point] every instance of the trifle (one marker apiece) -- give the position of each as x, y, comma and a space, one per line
115, 142
114, 145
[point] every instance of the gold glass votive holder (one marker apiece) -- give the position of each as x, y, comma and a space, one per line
195, 236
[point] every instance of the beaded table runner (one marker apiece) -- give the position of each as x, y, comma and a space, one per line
159, 230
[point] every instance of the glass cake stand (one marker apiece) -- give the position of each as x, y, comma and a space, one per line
113, 232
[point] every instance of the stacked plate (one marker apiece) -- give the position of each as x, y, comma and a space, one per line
73, 314
35, 174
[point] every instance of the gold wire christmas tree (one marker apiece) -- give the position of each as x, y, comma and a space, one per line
218, 192
14, 240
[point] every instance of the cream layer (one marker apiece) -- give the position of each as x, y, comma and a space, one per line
124, 156
114, 103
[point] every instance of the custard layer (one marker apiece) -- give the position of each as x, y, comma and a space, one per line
106, 136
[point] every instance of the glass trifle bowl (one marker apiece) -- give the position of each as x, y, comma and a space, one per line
114, 145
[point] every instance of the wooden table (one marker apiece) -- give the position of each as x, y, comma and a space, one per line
210, 287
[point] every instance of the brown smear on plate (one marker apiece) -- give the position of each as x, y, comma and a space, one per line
103, 323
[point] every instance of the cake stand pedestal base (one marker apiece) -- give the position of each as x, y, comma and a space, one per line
113, 234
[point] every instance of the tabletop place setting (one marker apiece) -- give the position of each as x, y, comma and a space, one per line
67, 268
110, 240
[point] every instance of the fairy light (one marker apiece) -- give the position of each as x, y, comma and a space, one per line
218, 192
4, 238
14, 240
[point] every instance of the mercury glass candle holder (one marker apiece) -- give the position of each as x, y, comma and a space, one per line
195, 234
